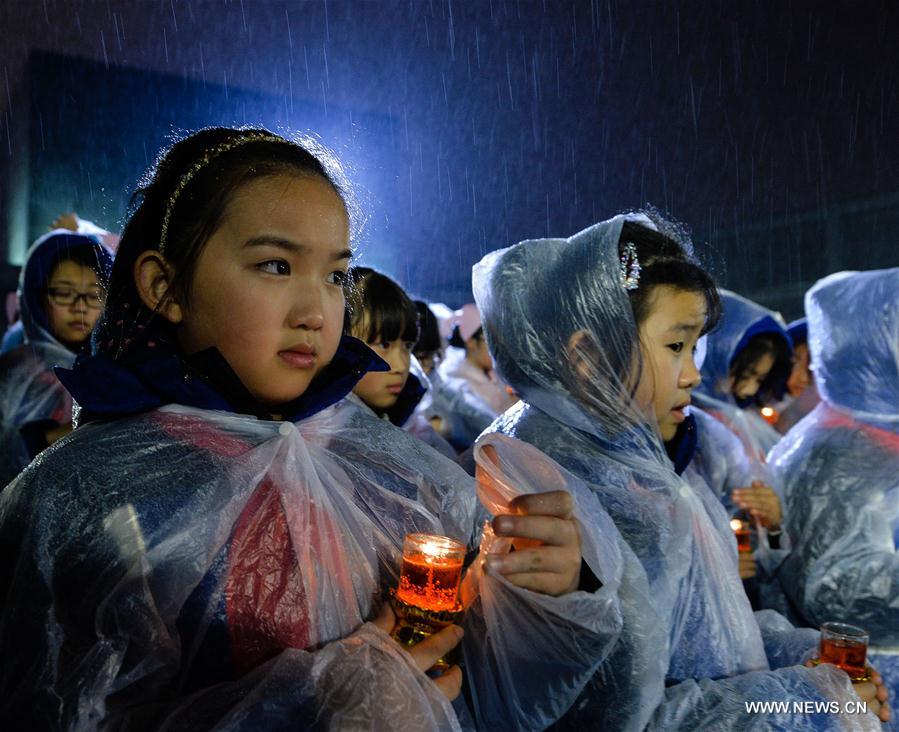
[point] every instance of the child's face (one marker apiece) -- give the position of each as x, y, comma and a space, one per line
749, 384
478, 351
800, 377
427, 359
73, 323
668, 339
381, 389
268, 287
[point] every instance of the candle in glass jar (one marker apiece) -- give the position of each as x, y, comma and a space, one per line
431, 572
846, 647
741, 529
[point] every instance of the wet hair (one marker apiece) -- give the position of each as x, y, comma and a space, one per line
666, 259
380, 305
201, 173
429, 340
456, 340
757, 347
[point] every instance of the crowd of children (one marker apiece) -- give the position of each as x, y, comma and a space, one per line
215, 445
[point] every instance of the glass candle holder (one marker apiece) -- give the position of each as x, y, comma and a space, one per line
427, 598
432, 572
845, 646
742, 531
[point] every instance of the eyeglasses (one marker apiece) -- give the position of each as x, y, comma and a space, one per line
94, 299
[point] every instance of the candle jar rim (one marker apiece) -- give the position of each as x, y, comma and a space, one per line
446, 545
844, 631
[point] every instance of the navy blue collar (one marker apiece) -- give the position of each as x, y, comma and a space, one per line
410, 396
682, 446
110, 389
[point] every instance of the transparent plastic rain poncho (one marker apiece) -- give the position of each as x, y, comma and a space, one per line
742, 320
840, 465
194, 569
720, 459
29, 390
691, 649
721, 463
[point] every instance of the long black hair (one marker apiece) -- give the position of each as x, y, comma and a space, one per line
178, 205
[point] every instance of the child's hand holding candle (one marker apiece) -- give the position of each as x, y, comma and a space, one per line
761, 502
429, 651
545, 536
549, 560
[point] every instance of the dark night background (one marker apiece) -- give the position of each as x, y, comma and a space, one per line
771, 129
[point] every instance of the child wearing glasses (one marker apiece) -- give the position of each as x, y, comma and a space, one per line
61, 294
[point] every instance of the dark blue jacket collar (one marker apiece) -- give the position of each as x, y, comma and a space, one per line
109, 389
682, 447
408, 400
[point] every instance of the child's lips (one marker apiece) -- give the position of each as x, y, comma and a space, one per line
395, 389
679, 412
300, 357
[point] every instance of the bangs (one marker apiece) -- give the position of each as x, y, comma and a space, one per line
681, 275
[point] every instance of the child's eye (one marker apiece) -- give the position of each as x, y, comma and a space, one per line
409, 345
337, 277
274, 266
384, 345
676, 347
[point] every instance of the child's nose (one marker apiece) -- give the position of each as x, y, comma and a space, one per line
307, 311
690, 376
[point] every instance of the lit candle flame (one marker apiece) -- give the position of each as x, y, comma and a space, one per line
736, 524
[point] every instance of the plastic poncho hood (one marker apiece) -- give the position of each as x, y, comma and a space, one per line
742, 320
528, 329
40, 260
853, 322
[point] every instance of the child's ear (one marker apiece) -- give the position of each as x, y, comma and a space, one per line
583, 354
153, 277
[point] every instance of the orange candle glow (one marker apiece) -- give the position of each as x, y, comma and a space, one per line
741, 529
431, 573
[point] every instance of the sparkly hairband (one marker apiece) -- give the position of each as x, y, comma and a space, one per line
629, 267
207, 158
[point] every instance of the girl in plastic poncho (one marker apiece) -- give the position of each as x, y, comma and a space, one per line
840, 465
466, 388
204, 549
596, 334
383, 316
61, 293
